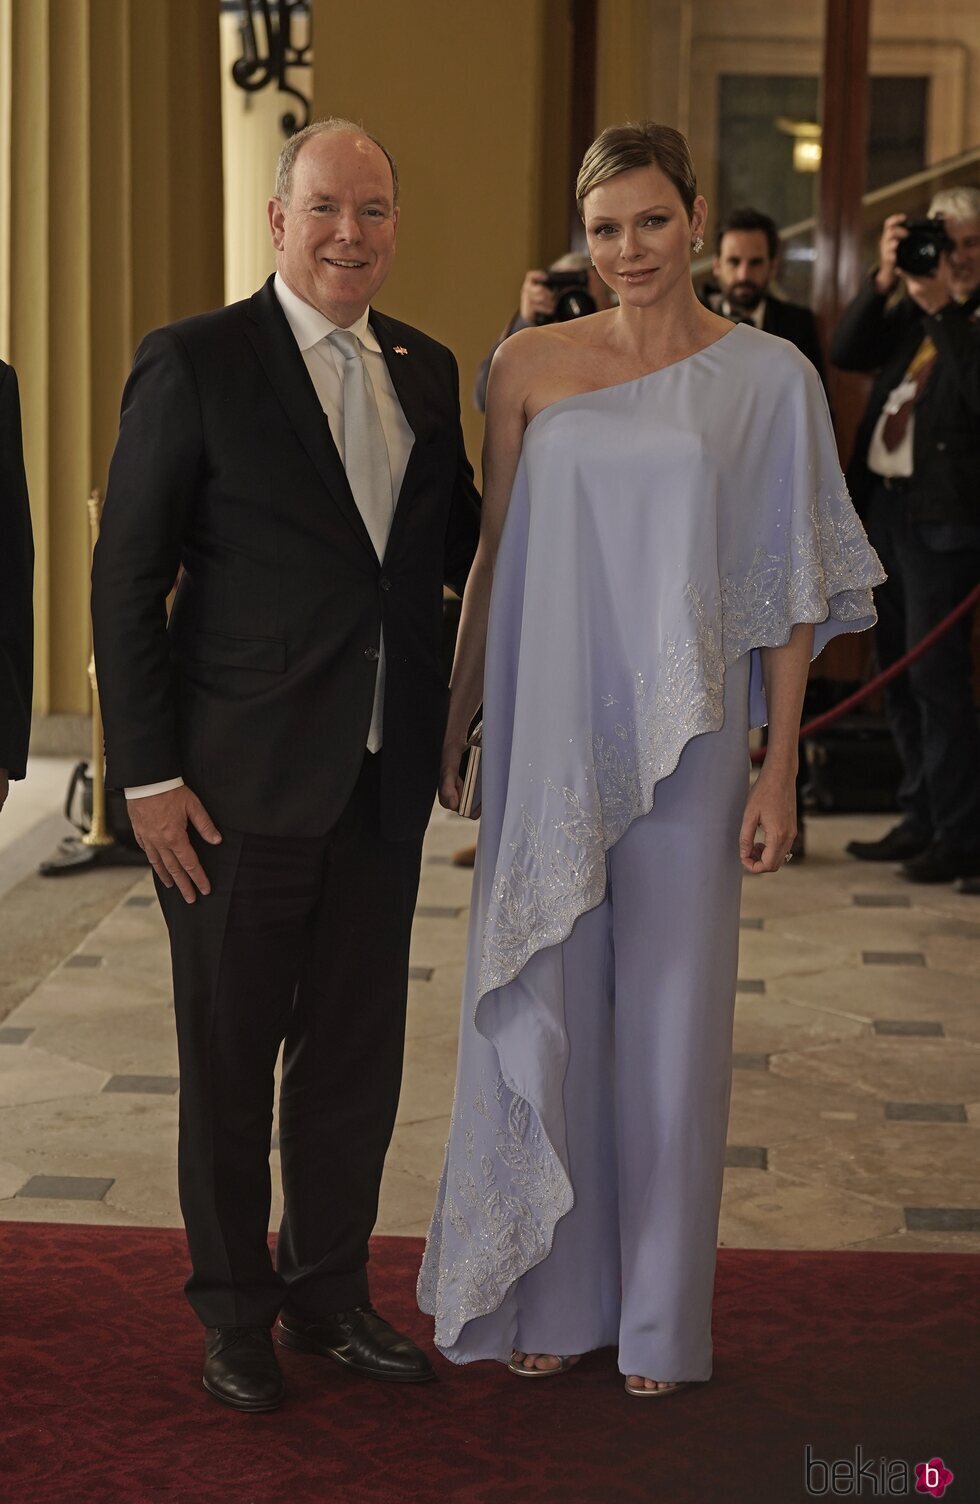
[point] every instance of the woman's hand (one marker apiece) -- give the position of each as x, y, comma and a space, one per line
771, 806
450, 783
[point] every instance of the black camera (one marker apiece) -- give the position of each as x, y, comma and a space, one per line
572, 297
919, 252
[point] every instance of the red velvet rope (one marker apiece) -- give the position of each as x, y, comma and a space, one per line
891, 672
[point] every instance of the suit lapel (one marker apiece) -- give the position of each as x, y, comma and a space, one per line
401, 361
279, 355
402, 364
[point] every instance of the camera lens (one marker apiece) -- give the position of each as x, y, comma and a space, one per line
919, 251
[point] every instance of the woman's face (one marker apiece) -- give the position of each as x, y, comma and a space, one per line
639, 235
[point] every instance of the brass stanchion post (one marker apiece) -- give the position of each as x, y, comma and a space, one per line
96, 847
99, 834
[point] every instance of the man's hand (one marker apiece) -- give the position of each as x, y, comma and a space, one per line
892, 234
160, 826
933, 293
4, 786
536, 299
450, 783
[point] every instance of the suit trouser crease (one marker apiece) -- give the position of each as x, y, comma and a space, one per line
302, 940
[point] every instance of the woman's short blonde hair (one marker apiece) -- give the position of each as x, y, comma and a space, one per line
638, 143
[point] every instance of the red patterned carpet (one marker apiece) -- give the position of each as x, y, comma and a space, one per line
101, 1399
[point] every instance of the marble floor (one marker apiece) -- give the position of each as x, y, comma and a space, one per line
856, 1099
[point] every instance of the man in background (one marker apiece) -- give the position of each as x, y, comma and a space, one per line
16, 590
745, 263
914, 477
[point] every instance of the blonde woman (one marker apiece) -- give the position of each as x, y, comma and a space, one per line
666, 541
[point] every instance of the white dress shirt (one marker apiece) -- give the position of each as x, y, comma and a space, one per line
743, 315
325, 364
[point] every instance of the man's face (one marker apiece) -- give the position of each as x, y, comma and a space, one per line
743, 267
335, 239
964, 260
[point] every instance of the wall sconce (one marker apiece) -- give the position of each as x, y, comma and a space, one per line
807, 150
286, 46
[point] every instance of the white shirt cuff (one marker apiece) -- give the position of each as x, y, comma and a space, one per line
144, 790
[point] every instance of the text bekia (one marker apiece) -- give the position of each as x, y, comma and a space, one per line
873, 1477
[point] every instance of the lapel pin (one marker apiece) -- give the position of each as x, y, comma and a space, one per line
400, 350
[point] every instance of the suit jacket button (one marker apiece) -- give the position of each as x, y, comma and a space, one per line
384, 582
372, 654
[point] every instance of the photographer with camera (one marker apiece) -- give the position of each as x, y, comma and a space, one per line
914, 477
567, 290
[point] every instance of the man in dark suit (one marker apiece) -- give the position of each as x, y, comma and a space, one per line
16, 590
299, 458
915, 477
745, 262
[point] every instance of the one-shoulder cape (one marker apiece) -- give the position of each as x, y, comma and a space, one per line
657, 531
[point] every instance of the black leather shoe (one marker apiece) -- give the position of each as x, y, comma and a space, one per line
900, 845
969, 885
240, 1367
941, 864
362, 1341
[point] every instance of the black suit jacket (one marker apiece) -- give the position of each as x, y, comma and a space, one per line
260, 693
797, 324
875, 337
16, 585
790, 321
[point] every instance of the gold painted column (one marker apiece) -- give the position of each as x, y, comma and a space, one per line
252, 138
113, 226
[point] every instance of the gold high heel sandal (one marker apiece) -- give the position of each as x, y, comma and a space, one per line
653, 1394
564, 1364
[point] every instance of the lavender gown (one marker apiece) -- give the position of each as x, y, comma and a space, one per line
659, 533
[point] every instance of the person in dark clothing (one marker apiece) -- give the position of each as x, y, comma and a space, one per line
745, 262
537, 303
914, 478
299, 454
16, 589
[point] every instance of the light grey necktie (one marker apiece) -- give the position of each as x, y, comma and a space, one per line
369, 474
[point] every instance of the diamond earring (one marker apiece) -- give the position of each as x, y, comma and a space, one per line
698, 245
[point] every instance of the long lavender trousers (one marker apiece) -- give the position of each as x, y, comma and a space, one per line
649, 991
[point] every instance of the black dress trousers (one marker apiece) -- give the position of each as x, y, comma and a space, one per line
303, 943
930, 707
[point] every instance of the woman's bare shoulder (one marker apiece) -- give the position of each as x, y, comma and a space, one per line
524, 345
548, 350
